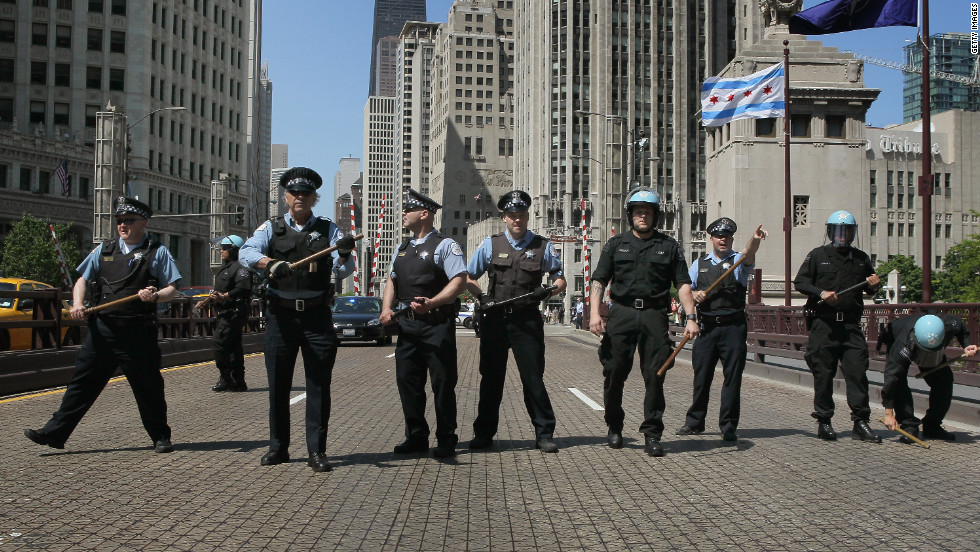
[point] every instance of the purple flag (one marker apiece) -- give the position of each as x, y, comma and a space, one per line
838, 16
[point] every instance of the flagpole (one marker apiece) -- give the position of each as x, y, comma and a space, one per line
926, 184
787, 197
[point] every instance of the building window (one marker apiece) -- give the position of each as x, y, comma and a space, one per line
911, 230
95, 39
901, 230
874, 229
874, 189
6, 70
38, 112
62, 36
891, 229
95, 6
39, 72
26, 176
6, 109
835, 126
93, 77
3, 176
800, 126
83, 187
7, 30
118, 7
61, 114
64, 4
801, 210
62, 74
763, 127
117, 42
939, 261
39, 34
117, 79
90, 112
949, 231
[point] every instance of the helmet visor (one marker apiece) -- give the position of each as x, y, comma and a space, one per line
840, 235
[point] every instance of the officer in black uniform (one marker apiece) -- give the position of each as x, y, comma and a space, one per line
122, 336
299, 311
516, 260
922, 339
641, 265
427, 272
231, 297
834, 321
723, 327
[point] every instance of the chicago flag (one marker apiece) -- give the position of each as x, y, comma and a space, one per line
756, 96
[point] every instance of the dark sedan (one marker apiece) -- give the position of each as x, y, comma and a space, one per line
356, 319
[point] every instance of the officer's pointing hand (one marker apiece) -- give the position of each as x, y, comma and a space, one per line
345, 245
760, 234
278, 270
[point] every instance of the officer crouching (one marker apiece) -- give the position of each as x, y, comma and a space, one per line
299, 311
231, 296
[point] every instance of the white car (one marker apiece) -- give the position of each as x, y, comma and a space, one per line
465, 316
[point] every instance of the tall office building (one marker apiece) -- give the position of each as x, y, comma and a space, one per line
949, 53
62, 62
608, 93
261, 172
472, 143
379, 183
389, 18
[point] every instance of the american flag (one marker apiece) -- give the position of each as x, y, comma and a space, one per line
62, 174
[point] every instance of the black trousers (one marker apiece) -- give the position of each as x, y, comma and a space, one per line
627, 330
288, 332
940, 397
522, 331
424, 347
832, 343
228, 354
110, 345
727, 343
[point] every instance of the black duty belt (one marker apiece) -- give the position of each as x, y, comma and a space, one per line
437, 316
837, 316
723, 319
640, 303
298, 305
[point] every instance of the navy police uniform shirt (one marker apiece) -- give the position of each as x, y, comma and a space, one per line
641, 268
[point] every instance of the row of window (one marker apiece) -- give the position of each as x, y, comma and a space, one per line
116, 7
198, 104
44, 183
895, 194
62, 75
218, 15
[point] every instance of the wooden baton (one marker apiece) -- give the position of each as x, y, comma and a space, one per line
907, 434
921, 375
318, 254
97, 308
684, 341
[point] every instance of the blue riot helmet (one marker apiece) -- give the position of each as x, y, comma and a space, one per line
643, 194
926, 341
841, 228
232, 244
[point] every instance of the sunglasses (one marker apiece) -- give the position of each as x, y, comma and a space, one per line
127, 221
300, 192
226, 247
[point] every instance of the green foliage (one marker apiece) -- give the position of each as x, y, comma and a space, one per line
911, 277
28, 251
959, 282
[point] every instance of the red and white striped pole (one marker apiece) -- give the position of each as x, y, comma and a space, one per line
585, 252
65, 276
353, 231
377, 244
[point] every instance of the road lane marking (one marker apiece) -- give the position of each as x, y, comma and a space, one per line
585, 398
297, 398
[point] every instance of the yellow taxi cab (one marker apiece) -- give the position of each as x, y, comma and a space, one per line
15, 339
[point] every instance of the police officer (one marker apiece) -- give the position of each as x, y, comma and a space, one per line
921, 339
723, 327
231, 296
427, 272
516, 260
834, 321
639, 268
122, 336
298, 311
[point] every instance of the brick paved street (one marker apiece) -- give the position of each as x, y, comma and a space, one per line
778, 488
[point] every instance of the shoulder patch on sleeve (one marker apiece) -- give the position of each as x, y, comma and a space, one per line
263, 226
551, 249
243, 272
455, 249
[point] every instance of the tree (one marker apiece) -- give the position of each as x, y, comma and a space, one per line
959, 281
911, 277
28, 251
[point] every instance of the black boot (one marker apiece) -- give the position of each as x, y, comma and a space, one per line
913, 431
937, 432
863, 432
652, 446
237, 382
826, 431
224, 383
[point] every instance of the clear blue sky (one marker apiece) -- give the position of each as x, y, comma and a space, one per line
319, 54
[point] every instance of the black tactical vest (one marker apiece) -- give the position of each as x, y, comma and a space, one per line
289, 245
227, 279
416, 270
514, 273
728, 296
124, 275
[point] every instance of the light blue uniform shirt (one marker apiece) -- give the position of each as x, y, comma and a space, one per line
162, 265
257, 246
448, 256
742, 271
480, 261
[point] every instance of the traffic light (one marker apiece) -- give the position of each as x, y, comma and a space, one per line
239, 215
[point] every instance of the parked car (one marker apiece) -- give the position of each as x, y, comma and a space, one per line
16, 339
196, 293
464, 317
355, 318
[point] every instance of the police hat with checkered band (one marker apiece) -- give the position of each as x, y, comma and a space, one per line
514, 201
415, 200
128, 205
723, 227
301, 179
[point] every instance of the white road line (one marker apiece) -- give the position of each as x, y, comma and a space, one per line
297, 398
585, 398
391, 355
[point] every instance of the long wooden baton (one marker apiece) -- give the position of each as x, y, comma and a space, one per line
684, 341
318, 254
907, 434
921, 375
97, 308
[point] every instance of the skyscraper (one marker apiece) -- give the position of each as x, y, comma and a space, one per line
389, 18
949, 53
